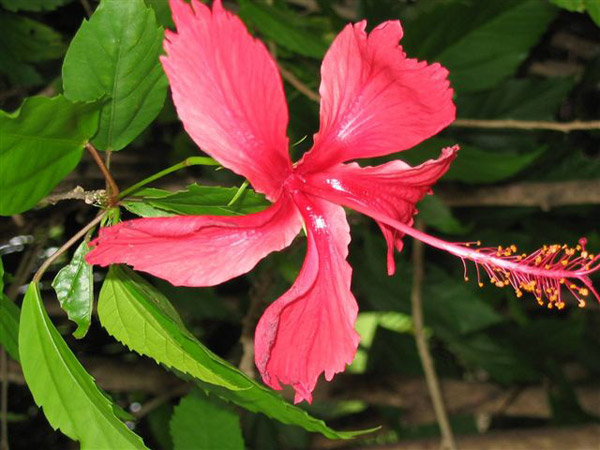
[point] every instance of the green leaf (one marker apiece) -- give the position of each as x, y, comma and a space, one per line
74, 286
61, 386
33, 5
591, 6
474, 165
139, 316
9, 321
162, 11
115, 55
527, 99
9, 326
25, 41
435, 214
481, 43
200, 422
39, 145
206, 200
284, 28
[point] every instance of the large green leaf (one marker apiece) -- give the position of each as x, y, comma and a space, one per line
204, 200
39, 145
480, 42
24, 41
200, 422
61, 386
474, 165
526, 99
33, 5
74, 286
115, 55
9, 321
284, 27
140, 317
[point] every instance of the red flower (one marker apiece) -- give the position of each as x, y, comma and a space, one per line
374, 101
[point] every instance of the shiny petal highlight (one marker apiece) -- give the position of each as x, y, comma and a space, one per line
392, 189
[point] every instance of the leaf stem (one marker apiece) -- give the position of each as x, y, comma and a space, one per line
433, 383
110, 181
239, 193
191, 161
38, 275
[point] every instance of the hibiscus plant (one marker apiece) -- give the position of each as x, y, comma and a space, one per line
331, 127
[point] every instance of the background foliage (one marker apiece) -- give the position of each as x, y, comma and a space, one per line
67, 79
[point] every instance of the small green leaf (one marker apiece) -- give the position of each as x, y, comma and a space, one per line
33, 5
39, 145
74, 286
481, 43
162, 12
474, 165
285, 28
25, 41
206, 200
200, 422
591, 6
9, 321
115, 55
435, 214
61, 386
9, 326
139, 316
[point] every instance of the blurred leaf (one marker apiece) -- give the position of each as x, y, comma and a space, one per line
435, 214
481, 43
207, 200
115, 55
473, 165
591, 6
158, 422
284, 28
139, 316
200, 422
41, 143
9, 321
503, 362
131, 310
74, 286
526, 99
24, 41
556, 337
455, 305
33, 5
162, 11
61, 386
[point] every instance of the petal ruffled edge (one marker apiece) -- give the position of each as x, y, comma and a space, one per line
310, 329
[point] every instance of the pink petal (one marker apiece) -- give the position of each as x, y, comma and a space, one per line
228, 93
392, 189
374, 100
310, 329
198, 250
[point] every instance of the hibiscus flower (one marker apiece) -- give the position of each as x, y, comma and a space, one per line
374, 101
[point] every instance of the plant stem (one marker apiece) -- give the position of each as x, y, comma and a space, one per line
433, 384
239, 193
564, 127
191, 161
110, 181
38, 275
